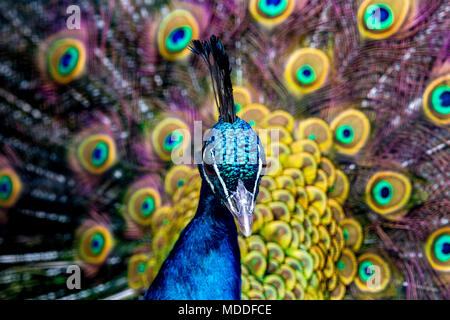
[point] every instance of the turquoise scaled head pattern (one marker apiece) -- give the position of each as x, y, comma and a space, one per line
232, 152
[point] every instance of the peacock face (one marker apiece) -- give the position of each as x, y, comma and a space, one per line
233, 162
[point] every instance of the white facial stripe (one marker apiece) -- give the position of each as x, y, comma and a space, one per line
225, 190
258, 174
206, 176
207, 179
224, 187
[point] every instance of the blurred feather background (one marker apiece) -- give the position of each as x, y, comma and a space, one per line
355, 207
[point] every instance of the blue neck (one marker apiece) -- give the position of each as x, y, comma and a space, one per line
205, 261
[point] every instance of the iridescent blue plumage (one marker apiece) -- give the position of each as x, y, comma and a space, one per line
205, 261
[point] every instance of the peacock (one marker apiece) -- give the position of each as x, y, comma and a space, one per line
205, 261
342, 109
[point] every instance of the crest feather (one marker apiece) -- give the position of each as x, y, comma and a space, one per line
220, 70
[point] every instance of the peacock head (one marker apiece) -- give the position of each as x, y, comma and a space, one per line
232, 155
232, 165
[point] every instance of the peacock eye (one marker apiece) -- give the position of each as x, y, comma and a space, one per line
65, 60
388, 192
382, 19
305, 74
271, 12
437, 249
176, 177
306, 70
382, 192
345, 134
142, 204
137, 267
378, 16
442, 248
351, 130
366, 270
209, 169
179, 39
97, 153
440, 99
272, 8
10, 187
371, 265
95, 244
169, 135
436, 101
175, 33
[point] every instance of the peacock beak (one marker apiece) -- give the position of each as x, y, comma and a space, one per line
242, 205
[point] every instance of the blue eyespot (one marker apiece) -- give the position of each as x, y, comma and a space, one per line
179, 39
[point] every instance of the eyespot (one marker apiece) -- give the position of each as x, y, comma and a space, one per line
306, 70
142, 204
347, 266
10, 188
437, 249
65, 60
339, 190
382, 192
387, 192
372, 266
176, 178
97, 153
137, 267
170, 135
436, 101
378, 16
278, 118
175, 32
380, 19
317, 130
161, 217
305, 74
307, 145
351, 130
352, 231
95, 244
253, 114
271, 12
242, 97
